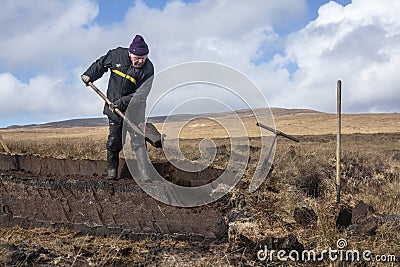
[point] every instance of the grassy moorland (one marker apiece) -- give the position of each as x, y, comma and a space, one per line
303, 176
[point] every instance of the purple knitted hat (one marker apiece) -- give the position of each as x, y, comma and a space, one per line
138, 46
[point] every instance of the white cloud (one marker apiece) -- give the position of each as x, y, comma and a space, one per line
46, 36
224, 31
58, 39
44, 98
358, 44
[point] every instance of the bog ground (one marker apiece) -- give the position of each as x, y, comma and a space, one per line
294, 209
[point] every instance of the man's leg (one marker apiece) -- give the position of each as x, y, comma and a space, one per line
114, 146
139, 146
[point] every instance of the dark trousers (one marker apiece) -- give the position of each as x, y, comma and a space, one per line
114, 143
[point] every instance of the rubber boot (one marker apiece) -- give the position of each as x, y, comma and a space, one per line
112, 174
142, 164
112, 162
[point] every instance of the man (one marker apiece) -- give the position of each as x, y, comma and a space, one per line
130, 69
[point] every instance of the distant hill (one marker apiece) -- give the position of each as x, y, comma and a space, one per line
103, 121
293, 111
89, 122
244, 113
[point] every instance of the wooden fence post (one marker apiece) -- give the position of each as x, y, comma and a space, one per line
338, 142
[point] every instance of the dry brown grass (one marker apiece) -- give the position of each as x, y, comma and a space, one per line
86, 142
79, 143
303, 175
312, 124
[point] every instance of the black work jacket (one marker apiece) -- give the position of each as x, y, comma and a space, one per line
125, 79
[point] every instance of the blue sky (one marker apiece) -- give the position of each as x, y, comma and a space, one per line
293, 50
114, 11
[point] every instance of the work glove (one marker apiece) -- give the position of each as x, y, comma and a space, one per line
116, 104
112, 116
122, 103
85, 79
113, 106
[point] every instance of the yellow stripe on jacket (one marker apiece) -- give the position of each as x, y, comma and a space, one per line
120, 73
